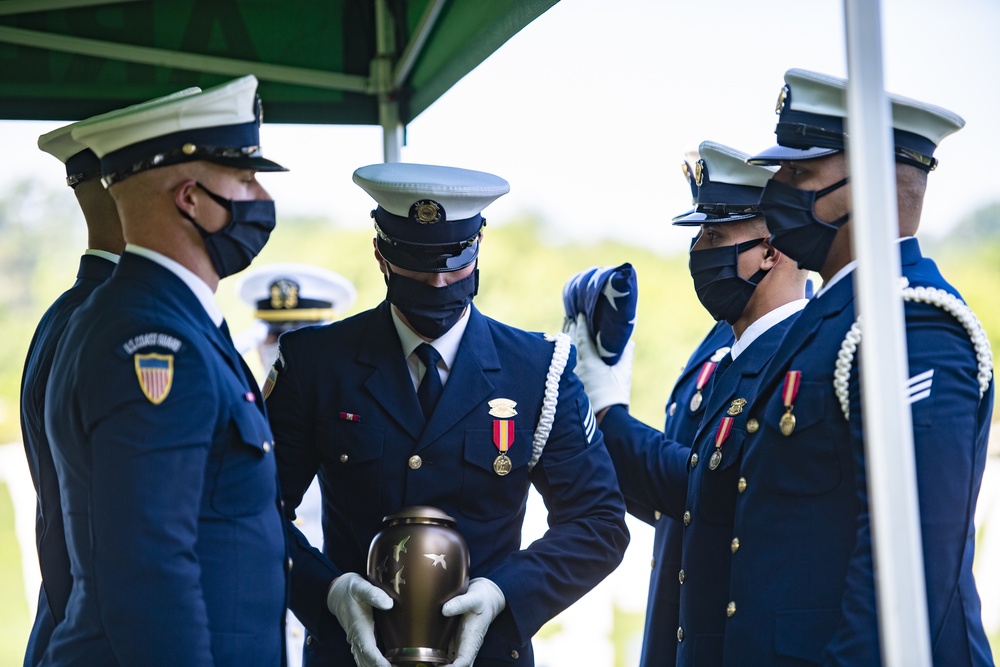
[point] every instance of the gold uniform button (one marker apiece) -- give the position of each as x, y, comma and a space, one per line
296, 633
657, 515
343, 458
290, 563
673, 409
687, 518
730, 609
752, 425
694, 459
514, 654
415, 462
266, 446
309, 639
741, 485
652, 563
680, 634
680, 576
735, 546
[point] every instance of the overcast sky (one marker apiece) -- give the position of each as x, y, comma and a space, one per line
589, 110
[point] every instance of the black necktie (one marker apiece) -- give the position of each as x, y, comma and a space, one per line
429, 390
721, 368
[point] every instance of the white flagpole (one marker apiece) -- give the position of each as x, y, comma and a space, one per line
891, 472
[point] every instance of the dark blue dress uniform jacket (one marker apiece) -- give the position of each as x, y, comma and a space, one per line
643, 491
344, 405
53, 560
175, 537
709, 542
802, 579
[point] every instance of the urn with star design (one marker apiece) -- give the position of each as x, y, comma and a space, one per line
421, 561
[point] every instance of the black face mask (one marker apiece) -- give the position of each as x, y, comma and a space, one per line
233, 247
431, 311
795, 229
717, 280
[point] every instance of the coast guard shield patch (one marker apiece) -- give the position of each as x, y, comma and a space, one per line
156, 375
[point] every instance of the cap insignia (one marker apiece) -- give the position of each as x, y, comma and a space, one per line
284, 294
699, 172
782, 96
426, 212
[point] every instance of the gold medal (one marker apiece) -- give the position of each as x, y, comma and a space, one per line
788, 393
696, 401
503, 434
787, 423
716, 459
501, 465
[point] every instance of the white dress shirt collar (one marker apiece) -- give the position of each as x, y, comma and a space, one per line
446, 345
103, 254
755, 330
845, 271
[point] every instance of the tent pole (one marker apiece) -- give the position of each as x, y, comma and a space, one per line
381, 68
888, 429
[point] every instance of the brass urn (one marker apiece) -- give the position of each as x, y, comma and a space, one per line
421, 561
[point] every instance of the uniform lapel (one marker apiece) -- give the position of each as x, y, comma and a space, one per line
744, 372
389, 382
469, 385
714, 341
804, 330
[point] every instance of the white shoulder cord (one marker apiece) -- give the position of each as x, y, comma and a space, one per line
560, 355
935, 297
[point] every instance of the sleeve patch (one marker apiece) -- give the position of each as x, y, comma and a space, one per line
156, 375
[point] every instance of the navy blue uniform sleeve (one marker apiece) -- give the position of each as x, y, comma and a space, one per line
651, 468
148, 468
587, 535
297, 456
950, 422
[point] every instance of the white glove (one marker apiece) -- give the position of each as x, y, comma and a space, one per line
605, 385
351, 599
478, 607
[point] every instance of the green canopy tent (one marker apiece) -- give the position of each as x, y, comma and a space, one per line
369, 62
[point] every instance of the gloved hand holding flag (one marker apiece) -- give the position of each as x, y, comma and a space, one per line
607, 296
